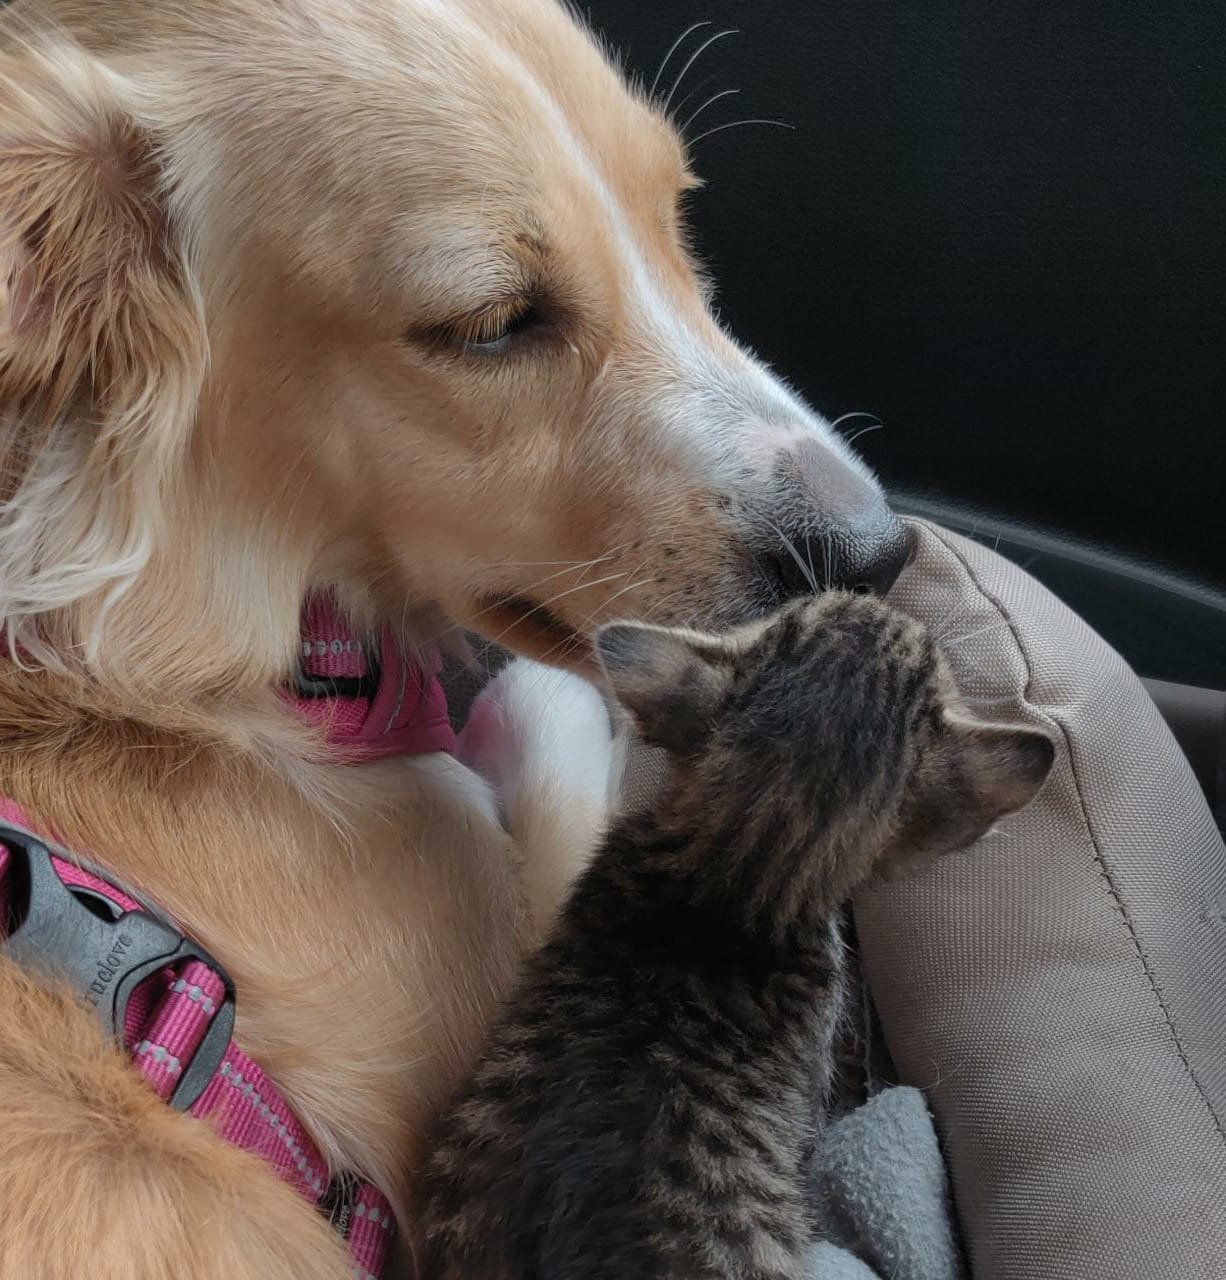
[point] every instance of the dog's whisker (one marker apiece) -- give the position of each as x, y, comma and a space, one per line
668, 57
855, 435
631, 586
587, 622
545, 564
575, 564
546, 605
604, 604
790, 547
700, 87
710, 102
581, 567
736, 124
693, 58
851, 417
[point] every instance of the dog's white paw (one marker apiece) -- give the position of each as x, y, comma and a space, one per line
533, 722
544, 741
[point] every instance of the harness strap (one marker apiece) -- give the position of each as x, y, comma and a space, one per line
164, 1026
176, 1021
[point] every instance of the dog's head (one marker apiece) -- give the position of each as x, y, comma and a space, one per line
393, 297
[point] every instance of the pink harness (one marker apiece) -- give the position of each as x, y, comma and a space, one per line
168, 1002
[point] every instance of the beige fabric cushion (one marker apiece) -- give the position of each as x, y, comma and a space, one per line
1060, 990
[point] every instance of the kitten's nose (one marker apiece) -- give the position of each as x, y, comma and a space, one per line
832, 527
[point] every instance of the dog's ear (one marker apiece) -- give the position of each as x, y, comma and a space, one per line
97, 301
670, 680
102, 341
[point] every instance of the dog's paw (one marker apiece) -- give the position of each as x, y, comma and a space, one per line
545, 742
533, 723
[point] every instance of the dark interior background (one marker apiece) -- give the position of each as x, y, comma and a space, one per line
1002, 230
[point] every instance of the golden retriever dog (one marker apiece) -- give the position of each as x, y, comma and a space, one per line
388, 299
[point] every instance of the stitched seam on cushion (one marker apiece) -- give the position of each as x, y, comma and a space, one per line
1104, 871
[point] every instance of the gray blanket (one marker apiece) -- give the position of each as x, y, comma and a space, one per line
882, 1195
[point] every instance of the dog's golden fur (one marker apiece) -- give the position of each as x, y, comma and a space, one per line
256, 261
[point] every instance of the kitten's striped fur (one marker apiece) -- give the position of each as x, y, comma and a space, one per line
647, 1103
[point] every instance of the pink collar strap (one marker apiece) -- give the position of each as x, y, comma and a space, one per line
164, 998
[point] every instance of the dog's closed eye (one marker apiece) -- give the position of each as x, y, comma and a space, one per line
491, 331
494, 330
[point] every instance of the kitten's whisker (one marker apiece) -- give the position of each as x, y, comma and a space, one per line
938, 631
938, 1079
971, 635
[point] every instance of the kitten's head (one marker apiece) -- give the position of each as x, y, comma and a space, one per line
838, 712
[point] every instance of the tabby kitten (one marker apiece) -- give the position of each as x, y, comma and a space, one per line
645, 1104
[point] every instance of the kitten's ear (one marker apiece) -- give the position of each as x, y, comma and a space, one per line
984, 773
667, 679
1003, 765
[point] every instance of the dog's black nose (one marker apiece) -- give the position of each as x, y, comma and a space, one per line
829, 526
857, 556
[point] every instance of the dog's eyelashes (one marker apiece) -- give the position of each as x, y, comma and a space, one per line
492, 331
